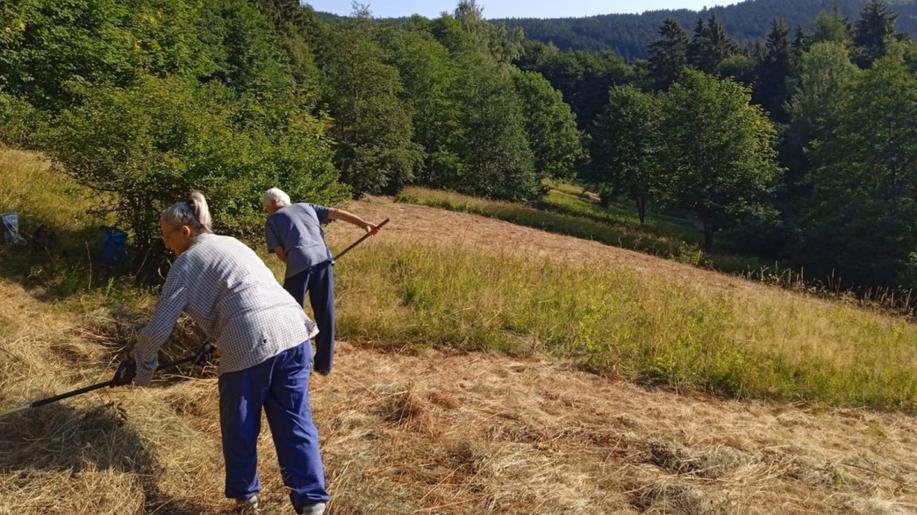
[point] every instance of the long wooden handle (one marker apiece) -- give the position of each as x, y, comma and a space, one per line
354, 244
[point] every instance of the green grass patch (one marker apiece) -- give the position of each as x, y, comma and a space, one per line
775, 346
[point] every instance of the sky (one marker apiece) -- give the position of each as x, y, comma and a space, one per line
514, 8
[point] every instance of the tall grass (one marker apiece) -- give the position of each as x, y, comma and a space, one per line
65, 257
41, 196
613, 321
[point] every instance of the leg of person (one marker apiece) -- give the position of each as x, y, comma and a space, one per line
295, 436
321, 295
241, 398
297, 284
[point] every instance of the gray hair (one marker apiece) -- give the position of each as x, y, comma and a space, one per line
275, 196
192, 212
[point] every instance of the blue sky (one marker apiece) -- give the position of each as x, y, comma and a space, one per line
515, 8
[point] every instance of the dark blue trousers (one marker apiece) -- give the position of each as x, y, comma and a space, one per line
281, 386
318, 280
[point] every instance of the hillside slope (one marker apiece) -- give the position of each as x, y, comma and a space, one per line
436, 431
749, 21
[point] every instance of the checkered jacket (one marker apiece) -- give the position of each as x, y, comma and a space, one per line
226, 288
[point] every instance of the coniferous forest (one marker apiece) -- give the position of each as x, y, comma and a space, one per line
799, 144
747, 22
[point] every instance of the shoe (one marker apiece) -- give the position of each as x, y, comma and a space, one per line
309, 509
246, 506
312, 509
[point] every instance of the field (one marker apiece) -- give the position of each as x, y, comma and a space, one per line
486, 367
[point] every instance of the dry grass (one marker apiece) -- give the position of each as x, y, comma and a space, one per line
436, 432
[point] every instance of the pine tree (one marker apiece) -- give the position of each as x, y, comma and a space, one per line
697, 45
710, 45
831, 27
773, 70
668, 55
872, 31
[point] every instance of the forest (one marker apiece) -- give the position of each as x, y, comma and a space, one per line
800, 147
747, 22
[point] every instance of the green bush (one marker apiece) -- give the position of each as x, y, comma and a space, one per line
19, 122
150, 144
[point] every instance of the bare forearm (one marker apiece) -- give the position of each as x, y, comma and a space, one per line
346, 216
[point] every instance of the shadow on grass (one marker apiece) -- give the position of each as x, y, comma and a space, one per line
56, 263
58, 438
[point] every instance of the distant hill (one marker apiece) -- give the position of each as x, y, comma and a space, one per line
629, 34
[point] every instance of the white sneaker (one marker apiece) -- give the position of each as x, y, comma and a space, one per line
313, 509
246, 506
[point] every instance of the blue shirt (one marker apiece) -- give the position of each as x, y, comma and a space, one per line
298, 230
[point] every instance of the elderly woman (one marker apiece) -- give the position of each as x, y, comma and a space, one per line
294, 233
265, 355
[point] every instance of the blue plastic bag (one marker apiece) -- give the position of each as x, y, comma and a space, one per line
114, 246
11, 227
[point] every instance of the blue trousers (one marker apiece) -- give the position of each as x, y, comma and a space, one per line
281, 386
318, 280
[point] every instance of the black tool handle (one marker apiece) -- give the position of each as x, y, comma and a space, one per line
85, 389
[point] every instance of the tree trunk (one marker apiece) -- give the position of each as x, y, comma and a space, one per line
641, 209
708, 232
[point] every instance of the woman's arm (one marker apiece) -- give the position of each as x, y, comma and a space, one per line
171, 304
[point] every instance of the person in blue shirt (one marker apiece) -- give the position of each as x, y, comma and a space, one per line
294, 233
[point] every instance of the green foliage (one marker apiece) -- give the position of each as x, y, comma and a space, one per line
629, 35
583, 78
710, 45
20, 122
872, 31
245, 50
371, 126
51, 50
150, 144
497, 157
831, 27
626, 147
861, 220
719, 151
292, 22
739, 67
428, 74
668, 55
550, 126
495, 39
770, 89
823, 70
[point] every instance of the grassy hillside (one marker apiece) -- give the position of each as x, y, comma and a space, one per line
564, 210
650, 327
485, 362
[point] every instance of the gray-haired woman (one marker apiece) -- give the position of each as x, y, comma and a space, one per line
265, 354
